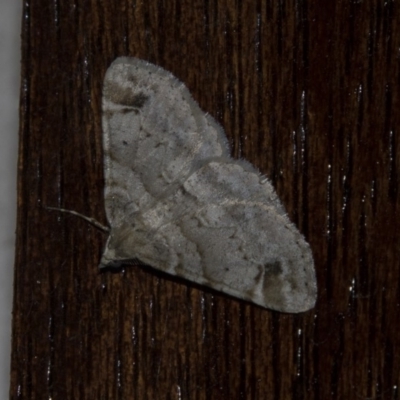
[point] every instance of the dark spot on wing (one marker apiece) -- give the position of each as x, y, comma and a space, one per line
124, 96
269, 272
138, 100
273, 268
131, 78
271, 275
127, 110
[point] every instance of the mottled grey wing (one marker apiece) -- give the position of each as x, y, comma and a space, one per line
225, 228
247, 246
177, 201
154, 136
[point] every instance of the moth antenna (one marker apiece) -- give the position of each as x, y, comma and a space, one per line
92, 221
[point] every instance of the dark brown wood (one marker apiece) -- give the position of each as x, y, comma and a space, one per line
309, 92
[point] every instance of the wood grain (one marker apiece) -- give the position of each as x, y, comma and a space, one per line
308, 91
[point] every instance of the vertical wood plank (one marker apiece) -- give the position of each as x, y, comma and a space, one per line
309, 93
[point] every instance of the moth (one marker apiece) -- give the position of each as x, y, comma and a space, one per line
176, 200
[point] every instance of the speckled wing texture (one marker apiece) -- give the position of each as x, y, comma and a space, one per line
177, 201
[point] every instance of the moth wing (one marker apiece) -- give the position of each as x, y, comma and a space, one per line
225, 228
177, 201
154, 136
244, 243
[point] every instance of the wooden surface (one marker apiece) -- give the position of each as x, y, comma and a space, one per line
308, 91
